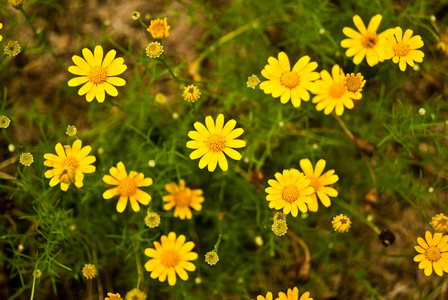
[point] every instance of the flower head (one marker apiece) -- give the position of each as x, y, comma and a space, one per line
135, 16
135, 294
433, 253
1, 26
26, 159
152, 219
97, 75
331, 92
211, 258
17, 3
288, 83
364, 43
170, 257
402, 48
279, 216
71, 130
4, 122
127, 187
252, 81
341, 223
293, 295
182, 198
69, 165
319, 182
37, 273
112, 296
191, 93
89, 271
160, 98
268, 297
291, 191
354, 84
439, 223
159, 29
12, 48
279, 227
154, 49
213, 141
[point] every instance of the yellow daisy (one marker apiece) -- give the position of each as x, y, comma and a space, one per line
439, 223
1, 26
402, 48
293, 295
268, 297
365, 42
291, 191
112, 296
213, 141
433, 253
170, 257
331, 93
69, 165
97, 75
319, 182
127, 187
286, 83
182, 198
159, 29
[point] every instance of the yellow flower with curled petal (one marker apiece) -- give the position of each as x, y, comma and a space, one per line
98, 76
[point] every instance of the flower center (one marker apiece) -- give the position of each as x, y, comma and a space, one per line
314, 183
97, 75
170, 258
443, 222
70, 162
158, 29
369, 40
343, 221
216, 143
290, 193
290, 80
433, 253
183, 198
401, 49
337, 90
353, 83
127, 187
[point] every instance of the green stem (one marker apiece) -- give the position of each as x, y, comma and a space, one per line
217, 243
29, 22
3, 57
143, 24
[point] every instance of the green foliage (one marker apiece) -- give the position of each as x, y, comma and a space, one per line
396, 150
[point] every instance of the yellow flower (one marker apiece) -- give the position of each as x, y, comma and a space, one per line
331, 92
160, 98
182, 198
127, 187
159, 29
364, 43
211, 258
89, 271
319, 182
433, 254
112, 296
402, 48
191, 93
293, 295
213, 141
439, 223
4, 122
1, 26
268, 297
341, 223
291, 191
279, 216
154, 49
12, 48
152, 219
17, 3
69, 165
97, 75
171, 257
135, 294
354, 84
26, 159
71, 130
286, 83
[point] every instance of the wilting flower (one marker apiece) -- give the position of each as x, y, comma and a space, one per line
341, 223
439, 223
89, 271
